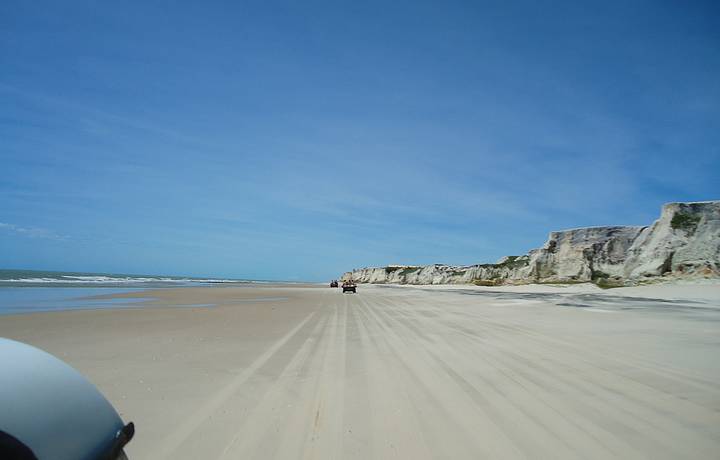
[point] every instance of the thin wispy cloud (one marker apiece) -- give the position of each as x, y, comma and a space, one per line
102, 122
31, 232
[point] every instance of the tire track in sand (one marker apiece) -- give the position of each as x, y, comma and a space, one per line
213, 404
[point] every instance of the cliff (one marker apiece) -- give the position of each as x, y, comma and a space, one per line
683, 243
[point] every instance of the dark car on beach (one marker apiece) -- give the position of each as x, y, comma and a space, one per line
349, 286
333, 284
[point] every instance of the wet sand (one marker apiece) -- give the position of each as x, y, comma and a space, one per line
394, 372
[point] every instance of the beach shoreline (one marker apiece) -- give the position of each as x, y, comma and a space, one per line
290, 371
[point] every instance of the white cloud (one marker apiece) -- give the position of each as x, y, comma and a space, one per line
31, 232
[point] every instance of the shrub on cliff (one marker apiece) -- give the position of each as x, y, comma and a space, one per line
494, 282
687, 222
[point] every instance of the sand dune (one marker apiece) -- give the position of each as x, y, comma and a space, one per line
307, 372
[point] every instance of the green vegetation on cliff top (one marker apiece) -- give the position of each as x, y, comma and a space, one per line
687, 222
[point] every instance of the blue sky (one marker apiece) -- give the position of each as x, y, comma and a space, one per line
296, 140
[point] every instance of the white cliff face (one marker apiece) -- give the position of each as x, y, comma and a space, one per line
684, 242
582, 254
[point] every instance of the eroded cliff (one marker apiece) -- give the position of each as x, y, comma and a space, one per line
683, 243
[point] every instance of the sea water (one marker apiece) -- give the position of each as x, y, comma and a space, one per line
34, 278
30, 291
14, 300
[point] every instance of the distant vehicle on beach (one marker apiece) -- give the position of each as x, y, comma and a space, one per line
50, 411
333, 284
349, 286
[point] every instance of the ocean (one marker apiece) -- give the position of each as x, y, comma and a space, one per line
30, 291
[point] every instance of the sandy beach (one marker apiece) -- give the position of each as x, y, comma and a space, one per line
395, 372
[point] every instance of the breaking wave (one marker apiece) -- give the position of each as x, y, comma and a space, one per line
30, 278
